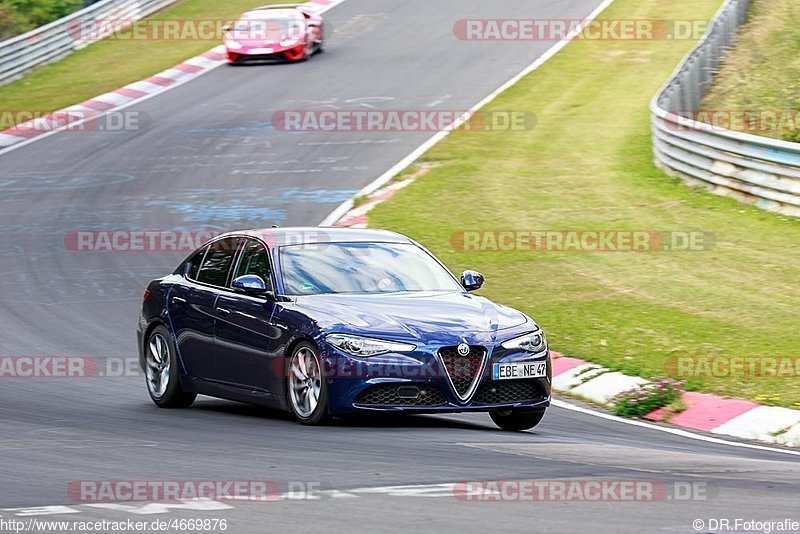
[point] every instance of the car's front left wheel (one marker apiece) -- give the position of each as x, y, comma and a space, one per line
161, 371
307, 388
516, 420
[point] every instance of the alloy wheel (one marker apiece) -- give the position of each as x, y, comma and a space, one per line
158, 365
305, 381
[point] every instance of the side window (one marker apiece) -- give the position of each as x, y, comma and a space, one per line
218, 261
192, 266
255, 260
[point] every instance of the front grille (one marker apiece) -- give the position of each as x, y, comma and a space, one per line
463, 371
387, 395
507, 391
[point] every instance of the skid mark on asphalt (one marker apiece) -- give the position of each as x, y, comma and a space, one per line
357, 27
34, 182
366, 102
65, 438
350, 142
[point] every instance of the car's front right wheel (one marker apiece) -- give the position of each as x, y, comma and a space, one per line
516, 420
307, 388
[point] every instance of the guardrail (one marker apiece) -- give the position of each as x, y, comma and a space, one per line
63, 36
748, 167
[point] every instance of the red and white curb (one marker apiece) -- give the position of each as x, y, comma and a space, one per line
131, 94
708, 413
357, 217
100, 105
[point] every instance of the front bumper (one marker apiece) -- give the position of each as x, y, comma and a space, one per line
415, 383
254, 54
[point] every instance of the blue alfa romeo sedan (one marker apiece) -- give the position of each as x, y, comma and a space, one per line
326, 322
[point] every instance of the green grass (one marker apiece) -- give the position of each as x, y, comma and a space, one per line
762, 72
20, 16
588, 165
113, 63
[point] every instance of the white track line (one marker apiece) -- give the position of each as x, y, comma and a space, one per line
376, 184
668, 430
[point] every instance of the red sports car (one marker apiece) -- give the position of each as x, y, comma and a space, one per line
292, 32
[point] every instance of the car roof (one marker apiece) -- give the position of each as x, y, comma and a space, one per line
320, 234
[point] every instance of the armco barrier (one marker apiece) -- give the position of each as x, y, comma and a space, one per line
751, 168
57, 39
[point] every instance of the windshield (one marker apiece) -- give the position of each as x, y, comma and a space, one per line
361, 268
268, 26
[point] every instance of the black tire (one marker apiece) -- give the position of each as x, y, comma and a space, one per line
320, 414
319, 46
517, 420
173, 395
308, 51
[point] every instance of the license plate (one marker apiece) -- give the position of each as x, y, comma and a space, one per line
509, 371
261, 50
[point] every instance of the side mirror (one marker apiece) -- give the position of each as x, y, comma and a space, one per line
471, 280
252, 285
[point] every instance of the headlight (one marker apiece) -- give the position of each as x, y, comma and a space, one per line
364, 346
533, 342
234, 45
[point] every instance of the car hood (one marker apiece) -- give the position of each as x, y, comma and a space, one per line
259, 43
429, 316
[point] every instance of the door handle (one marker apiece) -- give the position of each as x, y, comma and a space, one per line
223, 311
178, 300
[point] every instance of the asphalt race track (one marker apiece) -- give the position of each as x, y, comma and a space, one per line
209, 159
